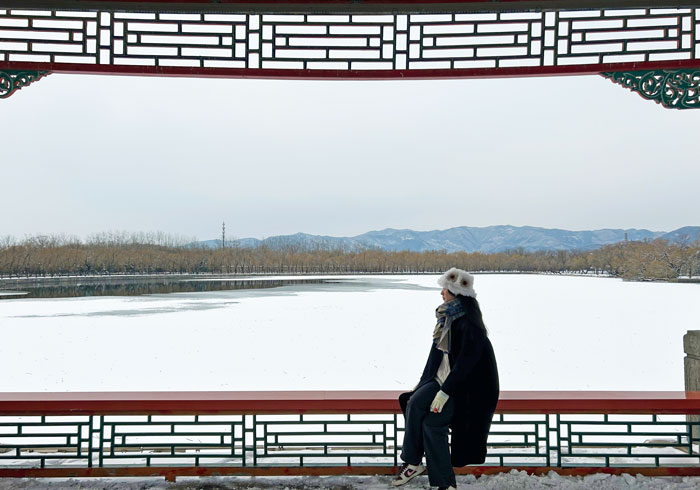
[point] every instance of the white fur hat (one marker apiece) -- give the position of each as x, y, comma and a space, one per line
457, 282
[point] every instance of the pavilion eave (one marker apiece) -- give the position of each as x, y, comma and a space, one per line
344, 6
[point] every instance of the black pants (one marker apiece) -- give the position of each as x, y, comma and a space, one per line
426, 433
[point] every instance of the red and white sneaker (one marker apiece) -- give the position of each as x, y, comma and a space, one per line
406, 473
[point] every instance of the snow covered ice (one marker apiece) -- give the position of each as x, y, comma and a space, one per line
549, 333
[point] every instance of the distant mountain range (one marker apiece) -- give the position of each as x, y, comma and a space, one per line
486, 239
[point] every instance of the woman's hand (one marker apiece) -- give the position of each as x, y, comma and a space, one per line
439, 401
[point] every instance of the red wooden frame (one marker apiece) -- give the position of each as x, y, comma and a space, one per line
292, 74
237, 402
353, 5
259, 402
330, 6
171, 473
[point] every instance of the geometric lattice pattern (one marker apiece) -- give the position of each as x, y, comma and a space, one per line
606, 440
558, 440
345, 42
621, 440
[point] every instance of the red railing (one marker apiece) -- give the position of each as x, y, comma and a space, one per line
553, 404
239, 402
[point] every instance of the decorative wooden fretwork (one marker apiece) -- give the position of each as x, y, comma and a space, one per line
136, 442
11, 80
347, 43
675, 89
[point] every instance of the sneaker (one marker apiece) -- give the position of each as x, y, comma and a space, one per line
407, 473
448, 488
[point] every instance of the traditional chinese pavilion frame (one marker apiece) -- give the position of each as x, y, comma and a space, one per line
650, 46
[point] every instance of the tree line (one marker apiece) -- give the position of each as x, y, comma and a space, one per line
154, 253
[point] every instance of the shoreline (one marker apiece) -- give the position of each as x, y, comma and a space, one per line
11, 288
126, 278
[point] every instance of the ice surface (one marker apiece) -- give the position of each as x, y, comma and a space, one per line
363, 333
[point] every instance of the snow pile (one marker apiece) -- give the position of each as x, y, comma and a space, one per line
515, 480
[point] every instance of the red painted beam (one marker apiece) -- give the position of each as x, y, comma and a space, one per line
347, 6
671, 402
351, 4
292, 74
171, 472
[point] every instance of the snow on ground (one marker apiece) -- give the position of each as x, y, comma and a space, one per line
515, 480
359, 333
549, 333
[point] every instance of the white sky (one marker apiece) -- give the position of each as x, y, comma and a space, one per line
81, 154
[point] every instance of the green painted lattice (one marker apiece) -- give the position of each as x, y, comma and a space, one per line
558, 440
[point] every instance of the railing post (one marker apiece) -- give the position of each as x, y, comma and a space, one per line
691, 346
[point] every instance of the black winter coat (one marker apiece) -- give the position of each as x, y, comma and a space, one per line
472, 384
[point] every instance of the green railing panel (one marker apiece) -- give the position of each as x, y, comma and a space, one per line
557, 440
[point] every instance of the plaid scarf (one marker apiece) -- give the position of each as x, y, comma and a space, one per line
446, 313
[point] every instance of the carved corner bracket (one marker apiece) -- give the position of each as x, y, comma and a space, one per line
14, 80
673, 89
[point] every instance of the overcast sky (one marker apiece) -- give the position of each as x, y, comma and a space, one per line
82, 154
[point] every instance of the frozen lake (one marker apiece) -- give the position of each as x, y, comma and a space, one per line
354, 333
